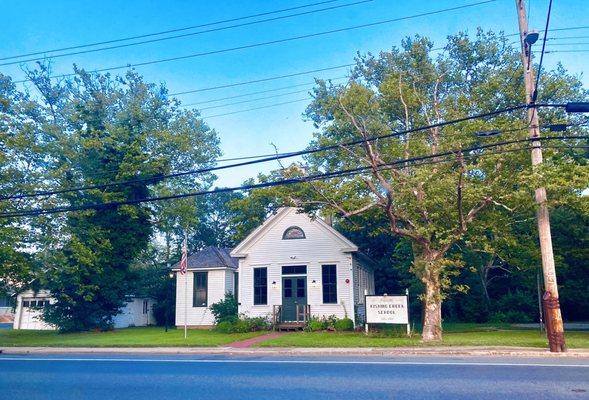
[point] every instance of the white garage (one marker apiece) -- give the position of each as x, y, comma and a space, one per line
29, 311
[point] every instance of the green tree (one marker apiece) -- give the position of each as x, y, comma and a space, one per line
22, 141
434, 205
216, 225
99, 130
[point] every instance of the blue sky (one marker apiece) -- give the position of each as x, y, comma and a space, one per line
42, 25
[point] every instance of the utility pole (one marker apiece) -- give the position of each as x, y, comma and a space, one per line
553, 320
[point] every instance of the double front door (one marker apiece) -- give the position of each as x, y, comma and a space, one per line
294, 292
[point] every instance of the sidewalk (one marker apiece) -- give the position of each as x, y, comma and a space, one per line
247, 343
305, 351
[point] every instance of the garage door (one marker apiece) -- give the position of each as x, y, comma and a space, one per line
31, 316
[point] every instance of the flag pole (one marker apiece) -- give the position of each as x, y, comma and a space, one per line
185, 254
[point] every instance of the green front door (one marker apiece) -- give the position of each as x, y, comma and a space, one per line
294, 292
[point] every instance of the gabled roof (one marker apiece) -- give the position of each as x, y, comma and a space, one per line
210, 257
240, 249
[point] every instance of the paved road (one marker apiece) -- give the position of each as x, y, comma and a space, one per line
223, 377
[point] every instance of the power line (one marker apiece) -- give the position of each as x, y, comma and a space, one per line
278, 41
309, 178
535, 94
153, 178
187, 34
568, 37
255, 108
309, 85
568, 44
253, 100
169, 31
567, 51
568, 28
272, 78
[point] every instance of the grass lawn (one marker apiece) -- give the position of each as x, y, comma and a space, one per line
129, 337
454, 335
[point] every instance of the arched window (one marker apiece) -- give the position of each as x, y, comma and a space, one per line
294, 232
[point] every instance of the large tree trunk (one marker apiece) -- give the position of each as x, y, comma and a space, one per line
427, 266
432, 308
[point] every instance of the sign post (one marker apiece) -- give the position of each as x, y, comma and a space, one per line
365, 313
387, 310
408, 325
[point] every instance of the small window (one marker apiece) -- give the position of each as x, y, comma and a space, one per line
294, 232
329, 282
200, 289
26, 303
300, 288
287, 288
236, 286
294, 270
144, 306
260, 286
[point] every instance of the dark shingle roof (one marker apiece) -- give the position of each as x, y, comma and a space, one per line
211, 257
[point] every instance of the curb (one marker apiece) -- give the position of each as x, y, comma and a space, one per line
304, 351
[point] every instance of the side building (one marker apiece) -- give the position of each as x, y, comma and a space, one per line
138, 311
211, 273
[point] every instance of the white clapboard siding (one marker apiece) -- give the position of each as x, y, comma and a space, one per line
135, 313
219, 281
322, 245
229, 281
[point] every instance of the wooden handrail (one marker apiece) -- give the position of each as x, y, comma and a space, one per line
276, 312
304, 311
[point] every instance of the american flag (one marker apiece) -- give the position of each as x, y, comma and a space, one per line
184, 259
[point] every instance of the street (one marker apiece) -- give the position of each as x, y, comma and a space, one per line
110, 376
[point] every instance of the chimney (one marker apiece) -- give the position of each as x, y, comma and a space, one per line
329, 219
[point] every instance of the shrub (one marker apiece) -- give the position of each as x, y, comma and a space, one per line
511, 317
257, 323
344, 324
315, 324
330, 322
242, 325
224, 327
225, 310
516, 306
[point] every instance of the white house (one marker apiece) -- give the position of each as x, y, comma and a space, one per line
137, 311
291, 267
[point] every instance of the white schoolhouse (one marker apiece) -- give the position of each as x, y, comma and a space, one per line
288, 269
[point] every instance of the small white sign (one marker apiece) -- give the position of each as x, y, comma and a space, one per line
387, 310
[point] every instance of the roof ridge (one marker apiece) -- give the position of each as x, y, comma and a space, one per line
219, 255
